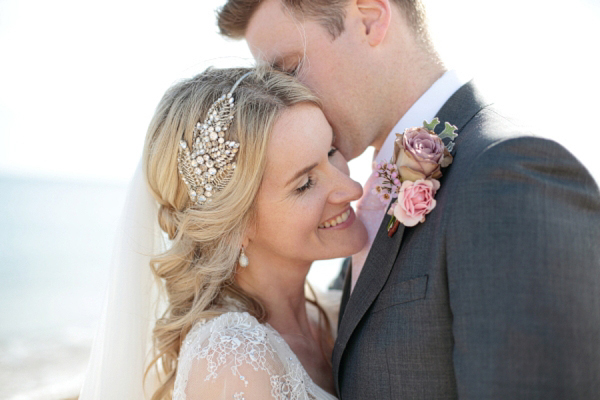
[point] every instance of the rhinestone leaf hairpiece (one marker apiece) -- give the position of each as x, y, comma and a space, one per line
209, 165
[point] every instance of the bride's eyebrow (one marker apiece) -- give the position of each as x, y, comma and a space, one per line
302, 172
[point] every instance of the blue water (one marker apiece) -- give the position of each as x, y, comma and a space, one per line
55, 248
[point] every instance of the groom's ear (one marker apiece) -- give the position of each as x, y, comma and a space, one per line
375, 16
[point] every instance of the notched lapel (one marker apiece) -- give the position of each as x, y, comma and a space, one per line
373, 276
458, 110
461, 108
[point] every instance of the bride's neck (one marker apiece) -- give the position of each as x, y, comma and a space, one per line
281, 291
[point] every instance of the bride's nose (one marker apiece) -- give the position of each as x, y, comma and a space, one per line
345, 189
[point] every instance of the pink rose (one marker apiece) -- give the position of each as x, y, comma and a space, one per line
415, 200
419, 154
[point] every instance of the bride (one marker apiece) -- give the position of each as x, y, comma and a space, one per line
251, 191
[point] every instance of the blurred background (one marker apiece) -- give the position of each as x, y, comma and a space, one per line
79, 81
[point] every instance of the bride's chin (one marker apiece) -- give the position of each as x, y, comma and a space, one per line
359, 236
352, 244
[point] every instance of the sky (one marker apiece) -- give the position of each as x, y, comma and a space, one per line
79, 80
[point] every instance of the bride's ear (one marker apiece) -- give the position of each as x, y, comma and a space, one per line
245, 242
248, 235
375, 16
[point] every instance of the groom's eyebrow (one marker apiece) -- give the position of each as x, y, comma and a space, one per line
301, 172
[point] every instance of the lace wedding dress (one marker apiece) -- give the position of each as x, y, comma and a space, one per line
233, 356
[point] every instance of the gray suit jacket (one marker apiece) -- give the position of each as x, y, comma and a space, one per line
497, 294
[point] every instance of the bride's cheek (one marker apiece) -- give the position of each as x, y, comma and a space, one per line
310, 212
320, 208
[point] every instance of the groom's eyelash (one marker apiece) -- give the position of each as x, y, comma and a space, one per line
293, 71
296, 67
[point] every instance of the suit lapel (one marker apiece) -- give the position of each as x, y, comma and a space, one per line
461, 107
345, 292
458, 110
377, 268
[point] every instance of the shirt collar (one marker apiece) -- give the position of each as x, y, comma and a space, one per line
425, 108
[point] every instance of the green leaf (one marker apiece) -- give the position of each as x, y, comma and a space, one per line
431, 126
391, 223
448, 132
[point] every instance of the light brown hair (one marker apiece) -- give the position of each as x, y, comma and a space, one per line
234, 16
197, 271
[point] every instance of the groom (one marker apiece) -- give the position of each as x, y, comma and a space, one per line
497, 294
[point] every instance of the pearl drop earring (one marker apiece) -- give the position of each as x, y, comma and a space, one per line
243, 259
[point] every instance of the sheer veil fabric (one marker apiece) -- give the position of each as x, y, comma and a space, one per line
220, 353
121, 349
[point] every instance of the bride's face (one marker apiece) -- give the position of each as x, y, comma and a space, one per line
304, 211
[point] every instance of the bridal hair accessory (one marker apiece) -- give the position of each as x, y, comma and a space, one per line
210, 164
243, 259
413, 172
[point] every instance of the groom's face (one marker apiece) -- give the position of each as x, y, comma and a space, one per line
332, 68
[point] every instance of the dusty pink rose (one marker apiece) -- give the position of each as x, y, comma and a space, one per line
415, 200
419, 154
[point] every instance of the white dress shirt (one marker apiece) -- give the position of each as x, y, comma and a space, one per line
425, 108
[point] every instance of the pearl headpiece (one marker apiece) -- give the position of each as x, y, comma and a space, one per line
210, 164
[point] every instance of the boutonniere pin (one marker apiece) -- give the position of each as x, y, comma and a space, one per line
412, 174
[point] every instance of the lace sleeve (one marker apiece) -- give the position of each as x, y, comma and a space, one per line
235, 357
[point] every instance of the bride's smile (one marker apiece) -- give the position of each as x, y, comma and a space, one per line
339, 220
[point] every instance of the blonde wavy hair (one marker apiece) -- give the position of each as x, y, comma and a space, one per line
198, 269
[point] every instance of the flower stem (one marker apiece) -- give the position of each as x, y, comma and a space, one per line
394, 228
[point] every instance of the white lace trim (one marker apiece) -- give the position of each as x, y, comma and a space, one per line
238, 339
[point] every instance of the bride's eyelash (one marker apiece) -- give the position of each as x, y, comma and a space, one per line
310, 183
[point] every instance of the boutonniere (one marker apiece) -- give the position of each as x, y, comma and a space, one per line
412, 174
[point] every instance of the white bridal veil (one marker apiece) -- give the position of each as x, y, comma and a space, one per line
121, 347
